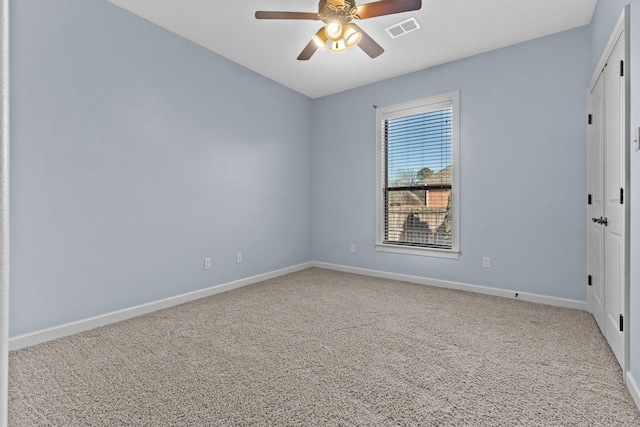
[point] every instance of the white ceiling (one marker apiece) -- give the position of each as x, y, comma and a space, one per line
451, 29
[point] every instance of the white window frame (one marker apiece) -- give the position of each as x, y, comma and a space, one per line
406, 109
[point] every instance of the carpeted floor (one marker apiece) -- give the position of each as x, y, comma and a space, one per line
323, 348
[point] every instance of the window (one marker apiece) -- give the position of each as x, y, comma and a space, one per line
417, 178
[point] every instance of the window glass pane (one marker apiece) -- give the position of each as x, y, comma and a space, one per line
418, 179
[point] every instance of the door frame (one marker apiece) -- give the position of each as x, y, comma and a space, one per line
595, 202
4, 211
621, 28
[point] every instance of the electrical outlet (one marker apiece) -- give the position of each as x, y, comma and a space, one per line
238, 257
353, 247
207, 263
486, 262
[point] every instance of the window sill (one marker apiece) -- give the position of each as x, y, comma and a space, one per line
409, 250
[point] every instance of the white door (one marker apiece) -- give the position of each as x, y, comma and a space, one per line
606, 213
595, 208
614, 181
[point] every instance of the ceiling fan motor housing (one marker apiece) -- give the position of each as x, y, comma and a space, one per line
322, 3
345, 13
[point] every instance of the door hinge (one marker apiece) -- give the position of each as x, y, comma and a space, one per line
590, 118
621, 68
589, 281
621, 323
622, 196
588, 199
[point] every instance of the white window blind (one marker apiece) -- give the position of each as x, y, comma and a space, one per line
417, 170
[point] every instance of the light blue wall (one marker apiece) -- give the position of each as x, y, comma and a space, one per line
135, 154
523, 160
604, 19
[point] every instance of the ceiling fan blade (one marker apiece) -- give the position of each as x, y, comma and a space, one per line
387, 7
368, 44
308, 51
316, 43
286, 15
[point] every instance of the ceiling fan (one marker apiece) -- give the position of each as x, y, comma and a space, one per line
339, 32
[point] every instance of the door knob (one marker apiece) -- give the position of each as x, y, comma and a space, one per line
600, 220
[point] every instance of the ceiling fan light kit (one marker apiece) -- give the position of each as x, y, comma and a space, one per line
339, 33
351, 36
334, 31
320, 38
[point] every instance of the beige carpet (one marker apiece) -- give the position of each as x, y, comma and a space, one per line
323, 348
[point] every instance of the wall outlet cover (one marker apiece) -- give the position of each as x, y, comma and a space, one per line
486, 262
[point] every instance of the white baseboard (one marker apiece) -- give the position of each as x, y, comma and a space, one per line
632, 385
506, 293
67, 329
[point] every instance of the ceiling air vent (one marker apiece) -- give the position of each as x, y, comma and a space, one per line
403, 28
